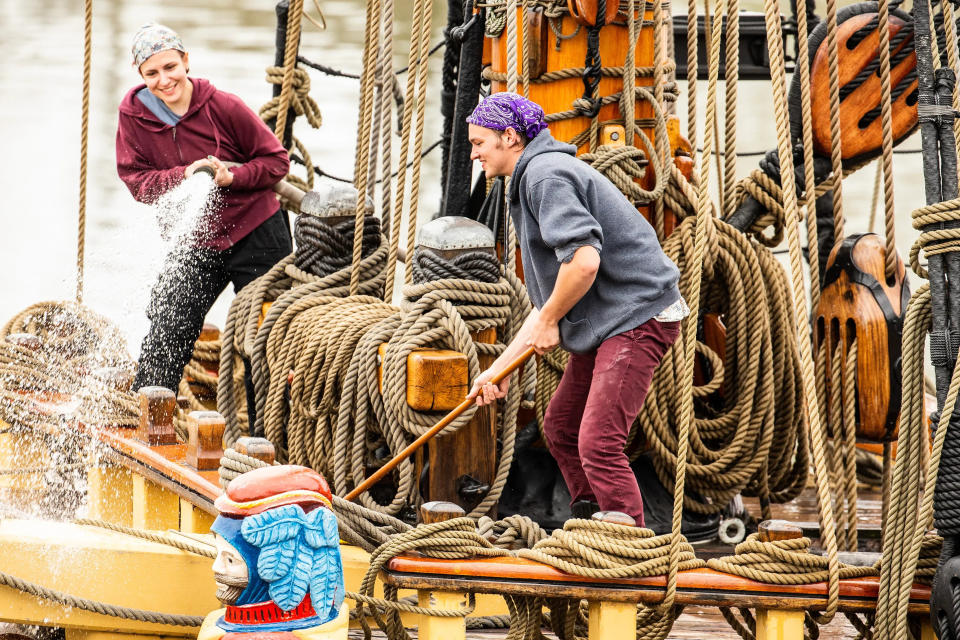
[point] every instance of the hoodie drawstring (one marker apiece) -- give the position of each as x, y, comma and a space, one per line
213, 125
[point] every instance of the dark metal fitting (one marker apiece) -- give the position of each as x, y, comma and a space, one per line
460, 33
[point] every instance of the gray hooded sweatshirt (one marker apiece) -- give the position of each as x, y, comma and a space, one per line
558, 204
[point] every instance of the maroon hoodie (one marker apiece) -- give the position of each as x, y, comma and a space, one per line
152, 156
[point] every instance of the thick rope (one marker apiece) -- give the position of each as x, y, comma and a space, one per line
362, 166
95, 606
908, 515
84, 137
388, 87
757, 432
622, 165
784, 562
442, 313
320, 266
422, 62
886, 118
806, 120
182, 543
302, 105
731, 78
836, 153
295, 13
827, 523
73, 341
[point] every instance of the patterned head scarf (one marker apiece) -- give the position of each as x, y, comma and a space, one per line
501, 110
153, 38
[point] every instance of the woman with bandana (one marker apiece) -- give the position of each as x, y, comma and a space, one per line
601, 287
169, 127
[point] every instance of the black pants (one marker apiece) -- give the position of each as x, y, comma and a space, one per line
191, 281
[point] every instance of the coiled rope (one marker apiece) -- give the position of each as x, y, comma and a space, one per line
754, 441
73, 342
319, 266
440, 313
907, 517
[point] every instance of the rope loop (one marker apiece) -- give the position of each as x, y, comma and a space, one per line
939, 232
622, 165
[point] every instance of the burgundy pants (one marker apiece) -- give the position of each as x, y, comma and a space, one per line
589, 417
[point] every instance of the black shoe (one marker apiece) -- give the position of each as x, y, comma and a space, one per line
584, 509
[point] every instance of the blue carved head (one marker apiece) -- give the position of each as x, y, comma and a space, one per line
299, 554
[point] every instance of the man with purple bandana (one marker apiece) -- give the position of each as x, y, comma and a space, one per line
601, 287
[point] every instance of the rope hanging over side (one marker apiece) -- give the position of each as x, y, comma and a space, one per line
810, 405
84, 137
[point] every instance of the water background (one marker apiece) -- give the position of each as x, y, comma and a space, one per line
230, 43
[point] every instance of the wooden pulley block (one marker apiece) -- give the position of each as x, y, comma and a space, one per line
859, 302
585, 11
861, 129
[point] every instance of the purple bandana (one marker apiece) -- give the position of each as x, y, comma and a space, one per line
501, 110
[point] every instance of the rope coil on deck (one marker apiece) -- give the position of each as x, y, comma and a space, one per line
300, 275
73, 340
782, 562
437, 313
755, 442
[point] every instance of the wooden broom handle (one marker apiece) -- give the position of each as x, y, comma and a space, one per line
434, 430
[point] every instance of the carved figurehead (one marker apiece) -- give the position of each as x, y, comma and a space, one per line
278, 569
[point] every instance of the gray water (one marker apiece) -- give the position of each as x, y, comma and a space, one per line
230, 43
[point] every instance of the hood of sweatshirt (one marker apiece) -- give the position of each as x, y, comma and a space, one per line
132, 106
541, 144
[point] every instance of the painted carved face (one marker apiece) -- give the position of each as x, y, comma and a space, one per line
230, 572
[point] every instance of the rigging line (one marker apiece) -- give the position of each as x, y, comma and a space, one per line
330, 71
323, 174
743, 154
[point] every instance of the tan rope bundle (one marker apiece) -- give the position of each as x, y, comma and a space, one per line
838, 405
314, 340
512, 532
809, 404
910, 509
593, 549
786, 562
441, 313
73, 342
302, 104
756, 442
244, 335
621, 165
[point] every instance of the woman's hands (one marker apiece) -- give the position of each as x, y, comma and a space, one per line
222, 176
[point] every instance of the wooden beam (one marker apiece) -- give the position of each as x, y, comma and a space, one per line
612, 620
110, 493
779, 625
437, 628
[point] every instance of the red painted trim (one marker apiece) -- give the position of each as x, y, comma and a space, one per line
268, 612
